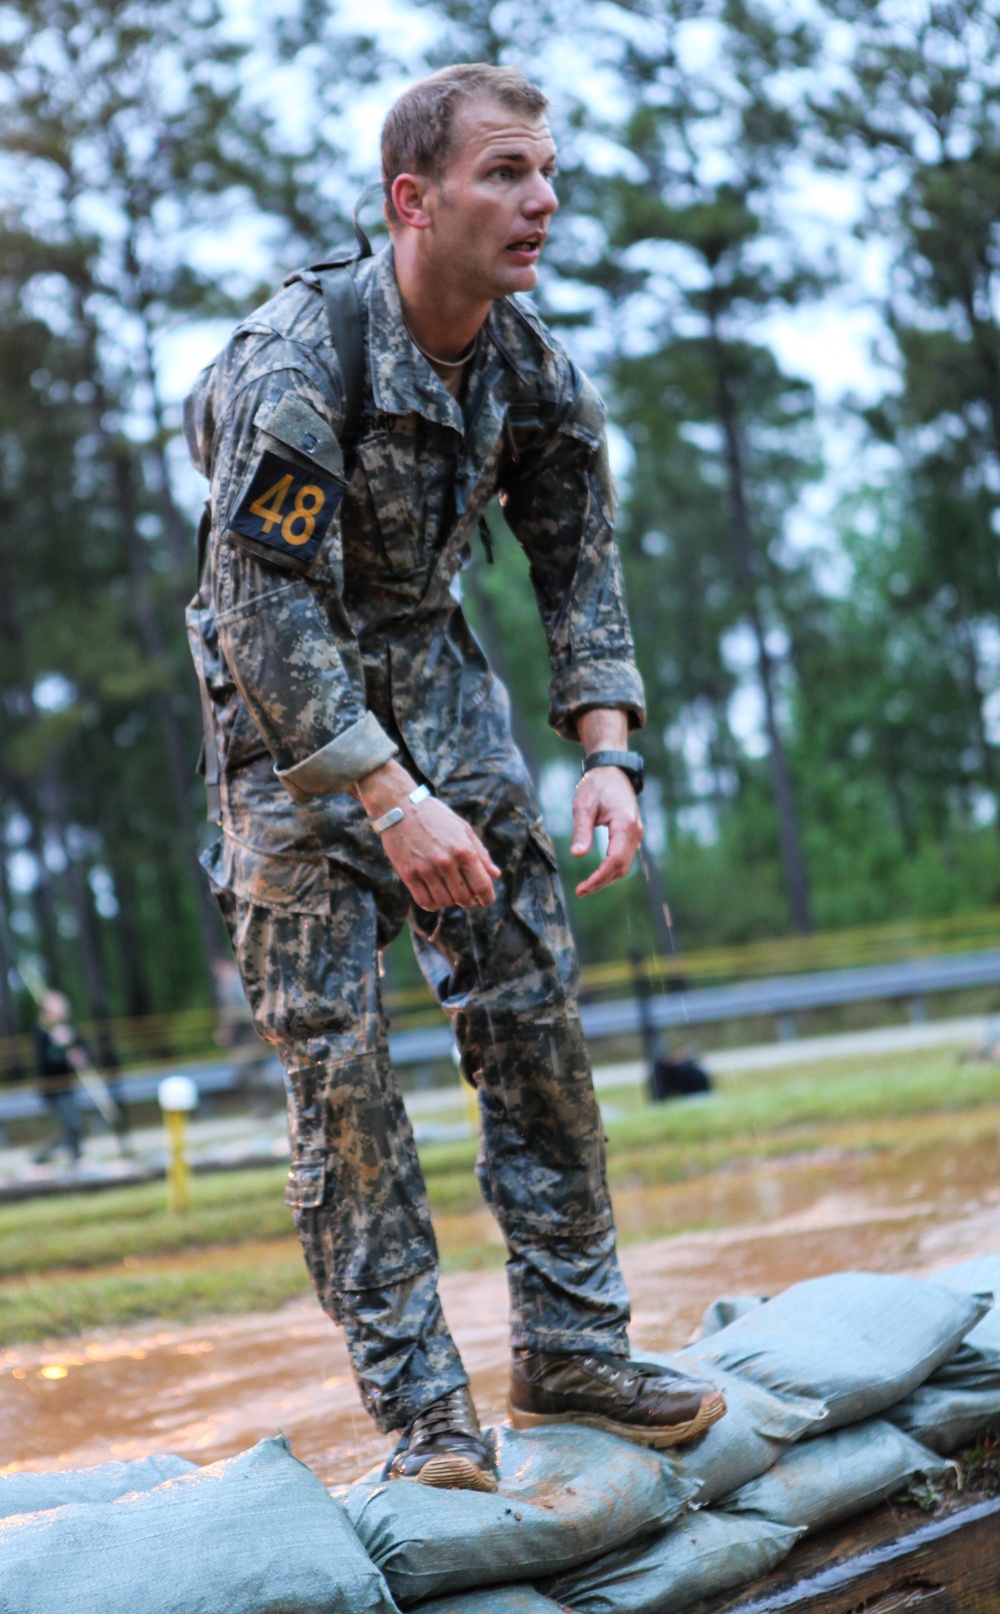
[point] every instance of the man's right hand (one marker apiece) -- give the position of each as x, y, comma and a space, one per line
437, 855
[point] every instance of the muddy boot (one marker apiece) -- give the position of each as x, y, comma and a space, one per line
444, 1447
636, 1400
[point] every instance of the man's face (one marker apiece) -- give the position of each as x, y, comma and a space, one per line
491, 208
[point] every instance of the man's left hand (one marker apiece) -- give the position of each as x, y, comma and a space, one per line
605, 796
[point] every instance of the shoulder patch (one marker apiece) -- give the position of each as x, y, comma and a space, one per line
288, 507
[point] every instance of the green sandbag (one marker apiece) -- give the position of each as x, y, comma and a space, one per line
727, 1309
258, 1534
493, 1600
704, 1555
757, 1429
837, 1476
946, 1417
32, 1493
857, 1341
567, 1494
975, 1365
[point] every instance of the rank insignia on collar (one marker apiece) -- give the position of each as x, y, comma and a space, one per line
288, 507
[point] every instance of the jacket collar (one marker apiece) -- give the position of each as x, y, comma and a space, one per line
402, 380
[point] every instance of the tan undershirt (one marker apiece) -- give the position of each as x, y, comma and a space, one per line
453, 379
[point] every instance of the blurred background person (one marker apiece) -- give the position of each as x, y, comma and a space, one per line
61, 1054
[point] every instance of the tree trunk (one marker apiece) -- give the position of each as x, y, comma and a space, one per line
179, 764
138, 997
789, 840
91, 961
11, 1069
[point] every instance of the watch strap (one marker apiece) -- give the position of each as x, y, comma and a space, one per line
630, 762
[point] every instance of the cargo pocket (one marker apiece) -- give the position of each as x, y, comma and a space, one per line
288, 882
306, 1185
539, 904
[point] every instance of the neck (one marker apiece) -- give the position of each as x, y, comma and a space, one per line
441, 318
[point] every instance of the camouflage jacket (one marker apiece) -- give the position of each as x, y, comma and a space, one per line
328, 621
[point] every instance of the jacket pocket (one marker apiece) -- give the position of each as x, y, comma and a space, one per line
387, 459
296, 425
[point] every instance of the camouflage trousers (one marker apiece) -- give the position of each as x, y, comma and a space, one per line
307, 925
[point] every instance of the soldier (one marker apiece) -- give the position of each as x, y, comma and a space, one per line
366, 775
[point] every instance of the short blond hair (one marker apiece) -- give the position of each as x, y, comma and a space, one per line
416, 135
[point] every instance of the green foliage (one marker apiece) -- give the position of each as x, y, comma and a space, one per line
148, 137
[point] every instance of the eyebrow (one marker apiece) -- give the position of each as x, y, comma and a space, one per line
516, 156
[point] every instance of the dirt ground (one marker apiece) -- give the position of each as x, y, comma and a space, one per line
210, 1390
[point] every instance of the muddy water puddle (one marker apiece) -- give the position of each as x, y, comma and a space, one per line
209, 1391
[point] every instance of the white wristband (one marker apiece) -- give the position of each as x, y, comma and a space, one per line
396, 814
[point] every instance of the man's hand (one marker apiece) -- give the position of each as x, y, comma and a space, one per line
605, 796
437, 855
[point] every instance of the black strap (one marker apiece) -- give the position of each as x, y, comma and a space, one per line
204, 529
344, 314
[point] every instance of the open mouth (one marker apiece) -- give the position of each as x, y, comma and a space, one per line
528, 243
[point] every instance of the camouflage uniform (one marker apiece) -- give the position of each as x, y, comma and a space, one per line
329, 628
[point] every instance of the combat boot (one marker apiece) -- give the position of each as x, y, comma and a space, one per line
444, 1447
637, 1400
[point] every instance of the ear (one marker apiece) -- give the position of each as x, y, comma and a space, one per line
410, 199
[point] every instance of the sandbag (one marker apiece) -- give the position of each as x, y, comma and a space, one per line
726, 1310
493, 1600
837, 1476
757, 1428
976, 1363
257, 1534
567, 1494
703, 1555
32, 1493
858, 1341
945, 1417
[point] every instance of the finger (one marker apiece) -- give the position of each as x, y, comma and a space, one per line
616, 862
420, 894
584, 819
465, 893
483, 856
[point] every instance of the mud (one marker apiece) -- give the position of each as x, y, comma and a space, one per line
209, 1391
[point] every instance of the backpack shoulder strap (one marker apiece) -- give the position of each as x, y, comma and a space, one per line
344, 314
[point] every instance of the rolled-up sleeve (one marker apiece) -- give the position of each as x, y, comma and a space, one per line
282, 626
559, 501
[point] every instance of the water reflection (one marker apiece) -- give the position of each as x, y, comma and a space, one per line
209, 1390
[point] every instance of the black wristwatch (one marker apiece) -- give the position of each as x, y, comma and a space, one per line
630, 762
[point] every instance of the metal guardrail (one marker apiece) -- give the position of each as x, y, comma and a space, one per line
190, 1034
785, 995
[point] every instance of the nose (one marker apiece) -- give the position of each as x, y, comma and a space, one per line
542, 201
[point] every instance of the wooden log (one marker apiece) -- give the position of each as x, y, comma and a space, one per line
884, 1564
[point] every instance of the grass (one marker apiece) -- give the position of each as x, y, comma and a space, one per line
79, 1262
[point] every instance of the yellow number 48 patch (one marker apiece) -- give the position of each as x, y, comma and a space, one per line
288, 507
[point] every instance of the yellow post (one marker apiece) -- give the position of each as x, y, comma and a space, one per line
178, 1096
178, 1173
